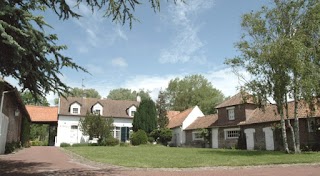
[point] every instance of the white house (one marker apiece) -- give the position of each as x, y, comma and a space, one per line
72, 109
179, 122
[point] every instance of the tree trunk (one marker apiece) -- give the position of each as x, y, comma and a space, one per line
291, 128
296, 126
284, 133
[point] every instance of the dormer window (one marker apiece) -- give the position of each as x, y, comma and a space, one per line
131, 110
132, 113
75, 108
97, 109
230, 111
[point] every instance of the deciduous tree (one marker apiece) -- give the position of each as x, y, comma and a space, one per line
128, 94
280, 48
193, 90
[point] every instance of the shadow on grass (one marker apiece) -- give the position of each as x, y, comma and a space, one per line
13, 168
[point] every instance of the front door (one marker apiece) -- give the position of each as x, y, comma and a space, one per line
249, 138
269, 138
74, 134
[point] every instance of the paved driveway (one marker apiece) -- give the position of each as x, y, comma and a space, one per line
53, 161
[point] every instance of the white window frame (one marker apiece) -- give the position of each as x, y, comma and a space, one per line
132, 113
97, 107
195, 136
115, 130
231, 109
226, 131
73, 110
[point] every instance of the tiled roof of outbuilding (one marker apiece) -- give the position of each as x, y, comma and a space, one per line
178, 119
203, 122
42, 113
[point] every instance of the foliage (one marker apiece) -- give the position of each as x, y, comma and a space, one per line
96, 126
25, 132
155, 156
31, 55
110, 141
280, 49
146, 117
89, 93
12, 146
28, 99
162, 108
39, 132
191, 91
162, 135
38, 142
205, 134
63, 144
139, 137
128, 94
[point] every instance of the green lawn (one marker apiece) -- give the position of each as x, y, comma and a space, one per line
171, 157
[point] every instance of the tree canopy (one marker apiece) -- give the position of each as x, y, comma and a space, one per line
162, 108
96, 126
30, 55
146, 117
280, 49
89, 93
193, 90
28, 99
128, 94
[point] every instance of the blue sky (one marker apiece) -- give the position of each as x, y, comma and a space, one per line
180, 40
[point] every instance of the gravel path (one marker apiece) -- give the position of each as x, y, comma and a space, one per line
53, 161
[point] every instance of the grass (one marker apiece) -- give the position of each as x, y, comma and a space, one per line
170, 157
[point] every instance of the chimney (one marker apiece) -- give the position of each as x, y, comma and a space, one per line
138, 98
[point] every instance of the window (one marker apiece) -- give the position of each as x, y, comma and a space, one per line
196, 135
74, 127
132, 113
75, 110
231, 113
232, 134
117, 133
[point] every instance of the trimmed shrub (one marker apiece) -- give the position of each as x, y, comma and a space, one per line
108, 141
39, 143
63, 144
150, 139
162, 135
139, 137
80, 144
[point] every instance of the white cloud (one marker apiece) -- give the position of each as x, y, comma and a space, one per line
186, 46
95, 69
119, 62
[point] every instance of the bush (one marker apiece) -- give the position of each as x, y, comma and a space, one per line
80, 144
163, 135
150, 139
139, 137
39, 143
108, 141
63, 144
12, 146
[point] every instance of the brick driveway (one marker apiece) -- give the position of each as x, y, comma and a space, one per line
53, 161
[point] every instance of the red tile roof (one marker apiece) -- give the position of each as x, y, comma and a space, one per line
43, 113
170, 114
269, 113
203, 122
178, 119
239, 98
